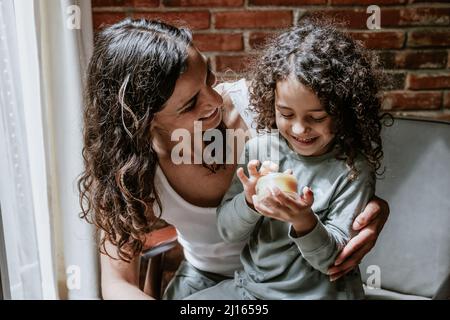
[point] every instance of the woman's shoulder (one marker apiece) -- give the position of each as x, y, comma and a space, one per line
236, 112
228, 87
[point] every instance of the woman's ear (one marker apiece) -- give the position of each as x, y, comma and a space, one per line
155, 128
155, 125
158, 132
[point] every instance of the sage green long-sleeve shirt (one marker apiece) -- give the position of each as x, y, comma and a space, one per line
279, 265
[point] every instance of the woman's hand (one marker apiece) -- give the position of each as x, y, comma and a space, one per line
369, 224
296, 211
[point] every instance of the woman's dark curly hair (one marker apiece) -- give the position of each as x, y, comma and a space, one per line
344, 75
131, 74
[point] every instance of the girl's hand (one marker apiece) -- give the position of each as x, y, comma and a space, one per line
295, 210
249, 183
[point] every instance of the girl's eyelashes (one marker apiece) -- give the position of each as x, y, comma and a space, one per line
319, 119
287, 116
284, 113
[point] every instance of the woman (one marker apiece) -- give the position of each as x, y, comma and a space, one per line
145, 81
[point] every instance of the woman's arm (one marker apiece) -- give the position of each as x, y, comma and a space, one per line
119, 279
369, 224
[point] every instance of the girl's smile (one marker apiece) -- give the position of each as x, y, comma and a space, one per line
304, 141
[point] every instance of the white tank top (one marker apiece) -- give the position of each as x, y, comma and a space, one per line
196, 226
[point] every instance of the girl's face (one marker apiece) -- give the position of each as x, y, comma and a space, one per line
193, 99
301, 119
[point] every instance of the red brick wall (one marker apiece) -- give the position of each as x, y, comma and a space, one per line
413, 43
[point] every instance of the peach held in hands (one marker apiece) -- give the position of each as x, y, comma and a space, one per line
284, 181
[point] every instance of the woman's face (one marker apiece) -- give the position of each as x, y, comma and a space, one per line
301, 119
193, 99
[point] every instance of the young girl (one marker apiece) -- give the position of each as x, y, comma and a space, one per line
319, 88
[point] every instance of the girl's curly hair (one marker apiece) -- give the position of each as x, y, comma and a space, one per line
131, 74
344, 75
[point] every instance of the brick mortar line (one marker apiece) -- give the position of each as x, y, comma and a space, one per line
412, 50
406, 40
275, 8
428, 114
406, 72
182, 9
212, 22
393, 29
426, 27
440, 71
409, 71
377, 51
424, 114
225, 31
246, 39
422, 71
416, 91
441, 111
407, 82
275, 29
407, 28
295, 18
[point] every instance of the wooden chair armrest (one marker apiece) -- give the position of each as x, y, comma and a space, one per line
157, 243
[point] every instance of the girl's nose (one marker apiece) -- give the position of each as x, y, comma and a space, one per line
298, 128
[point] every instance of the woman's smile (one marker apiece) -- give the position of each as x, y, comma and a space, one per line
212, 116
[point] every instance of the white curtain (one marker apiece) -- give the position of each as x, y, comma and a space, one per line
50, 252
